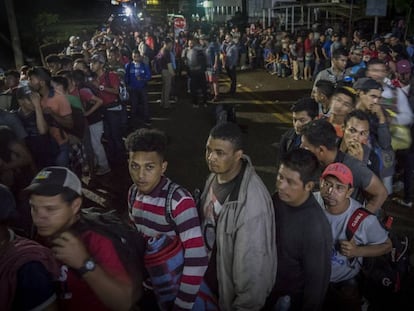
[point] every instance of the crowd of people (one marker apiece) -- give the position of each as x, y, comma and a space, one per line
235, 246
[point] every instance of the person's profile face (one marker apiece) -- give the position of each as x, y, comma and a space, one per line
52, 215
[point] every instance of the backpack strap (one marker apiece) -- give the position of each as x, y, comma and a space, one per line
355, 220
172, 187
132, 195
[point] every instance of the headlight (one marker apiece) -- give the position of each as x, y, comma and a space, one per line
128, 11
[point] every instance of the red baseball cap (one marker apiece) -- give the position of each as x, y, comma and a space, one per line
340, 171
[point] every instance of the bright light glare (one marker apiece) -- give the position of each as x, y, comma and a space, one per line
128, 11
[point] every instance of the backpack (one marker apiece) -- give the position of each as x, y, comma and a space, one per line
156, 63
172, 187
384, 273
128, 242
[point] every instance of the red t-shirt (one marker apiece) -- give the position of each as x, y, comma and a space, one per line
75, 293
111, 80
308, 46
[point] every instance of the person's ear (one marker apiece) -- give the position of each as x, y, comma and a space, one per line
239, 154
349, 192
164, 166
309, 186
76, 205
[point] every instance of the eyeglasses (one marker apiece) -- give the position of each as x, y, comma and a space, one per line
339, 188
352, 130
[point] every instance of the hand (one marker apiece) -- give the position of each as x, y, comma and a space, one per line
377, 109
70, 250
348, 248
355, 149
35, 99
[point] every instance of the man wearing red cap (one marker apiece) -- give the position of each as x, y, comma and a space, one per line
369, 240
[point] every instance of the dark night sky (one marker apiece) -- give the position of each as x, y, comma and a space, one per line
26, 9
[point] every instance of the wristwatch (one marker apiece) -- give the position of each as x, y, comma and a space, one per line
88, 266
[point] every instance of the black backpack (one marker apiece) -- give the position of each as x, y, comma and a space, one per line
128, 242
383, 273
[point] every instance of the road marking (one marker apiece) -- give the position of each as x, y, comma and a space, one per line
277, 113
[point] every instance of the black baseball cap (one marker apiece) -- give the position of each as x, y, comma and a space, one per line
52, 180
367, 84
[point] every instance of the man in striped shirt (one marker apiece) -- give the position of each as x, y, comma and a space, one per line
147, 209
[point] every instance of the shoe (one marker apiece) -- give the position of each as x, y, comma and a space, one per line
102, 171
402, 202
196, 106
215, 99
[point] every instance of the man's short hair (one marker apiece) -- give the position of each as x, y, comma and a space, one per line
339, 52
325, 87
367, 84
61, 80
307, 104
147, 140
304, 162
228, 131
320, 133
348, 91
376, 61
358, 114
41, 73
13, 73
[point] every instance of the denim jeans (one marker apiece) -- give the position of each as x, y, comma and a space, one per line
113, 134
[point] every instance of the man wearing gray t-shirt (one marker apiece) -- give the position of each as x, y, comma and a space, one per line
320, 138
370, 238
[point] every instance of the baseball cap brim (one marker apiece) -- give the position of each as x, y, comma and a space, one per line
41, 189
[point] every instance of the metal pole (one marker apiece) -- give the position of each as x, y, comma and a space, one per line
287, 20
14, 32
264, 18
376, 25
350, 19
269, 17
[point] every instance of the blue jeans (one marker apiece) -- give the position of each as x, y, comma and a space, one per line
62, 158
139, 104
113, 134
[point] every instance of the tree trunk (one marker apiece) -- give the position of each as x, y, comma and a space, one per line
14, 33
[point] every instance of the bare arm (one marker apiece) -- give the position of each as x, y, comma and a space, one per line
378, 194
97, 103
350, 249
